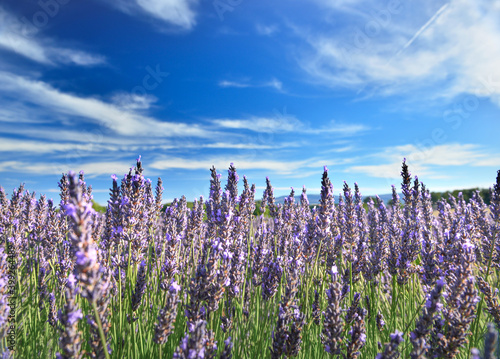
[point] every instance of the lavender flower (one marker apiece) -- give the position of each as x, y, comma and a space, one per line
461, 304
140, 287
167, 315
491, 299
316, 310
52, 316
280, 335
103, 289
271, 279
424, 323
333, 325
391, 349
490, 345
358, 335
228, 347
198, 343
69, 340
294, 339
79, 212
4, 302
380, 321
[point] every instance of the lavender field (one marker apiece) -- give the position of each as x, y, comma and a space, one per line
219, 280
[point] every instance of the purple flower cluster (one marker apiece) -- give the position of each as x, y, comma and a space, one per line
335, 270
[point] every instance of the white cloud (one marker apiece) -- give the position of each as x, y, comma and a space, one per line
249, 146
128, 101
442, 50
226, 83
262, 124
422, 160
68, 56
179, 13
242, 163
277, 84
341, 129
37, 48
298, 168
91, 169
38, 147
119, 120
273, 83
288, 123
266, 30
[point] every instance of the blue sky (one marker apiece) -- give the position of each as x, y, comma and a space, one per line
280, 90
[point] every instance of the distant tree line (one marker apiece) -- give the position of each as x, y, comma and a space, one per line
466, 193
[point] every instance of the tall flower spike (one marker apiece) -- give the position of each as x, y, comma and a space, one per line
232, 183
140, 287
491, 299
228, 347
79, 213
391, 349
103, 289
424, 323
294, 339
491, 343
52, 316
4, 303
167, 315
70, 337
358, 335
495, 215
158, 196
333, 325
198, 343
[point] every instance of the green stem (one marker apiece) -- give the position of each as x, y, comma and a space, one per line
101, 332
479, 311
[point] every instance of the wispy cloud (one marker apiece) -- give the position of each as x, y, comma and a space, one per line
92, 169
441, 50
345, 129
290, 168
38, 48
250, 146
387, 164
423, 28
226, 83
273, 83
132, 102
266, 30
261, 124
180, 13
116, 118
275, 166
38, 147
288, 123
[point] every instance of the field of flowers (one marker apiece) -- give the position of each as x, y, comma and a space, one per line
217, 281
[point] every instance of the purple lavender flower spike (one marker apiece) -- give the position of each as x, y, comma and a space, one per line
228, 347
140, 287
423, 326
333, 326
167, 315
83, 246
69, 340
391, 350
198, 343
